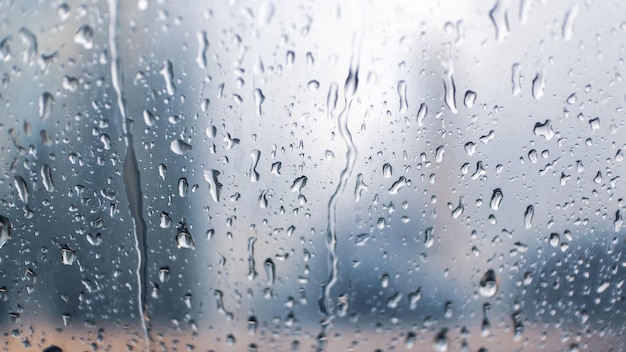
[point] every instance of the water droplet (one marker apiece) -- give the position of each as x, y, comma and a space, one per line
30, 41
266, 12
259, 98
619, 220
5, 49
84, 37
148, 118
458, 211
528, 217
167, 71
298, 184
470, 99
439, 152
499, 18
404, 106
568, 23
276, 168
414, 297
539, 85
313, 85
594, 123
162, 171
183, 186
215, 187
449, 89
164, 274
254, 175
184, 238
203, 46
68, 255
399, 184
496, 199
441, 341
544, 130
180, 147
421, 114
555, 239
516, 79
270, 271
164, 220
5, 230
387, 170
488, 286
331, 99
46, 177
384, 280
45, 105
428, 237
22, 189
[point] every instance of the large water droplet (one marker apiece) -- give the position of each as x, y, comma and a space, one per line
488, 285
45, 105
84, 36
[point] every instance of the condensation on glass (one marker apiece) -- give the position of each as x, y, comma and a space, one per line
304, 176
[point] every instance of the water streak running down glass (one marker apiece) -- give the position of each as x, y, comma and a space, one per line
312, 176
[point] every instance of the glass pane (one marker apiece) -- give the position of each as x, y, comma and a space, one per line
303, 176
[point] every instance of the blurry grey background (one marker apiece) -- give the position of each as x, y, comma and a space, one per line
237, 110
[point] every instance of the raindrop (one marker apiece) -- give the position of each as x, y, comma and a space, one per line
45, 105
544, 129
488, 286
167, 71
84, 36
496, 199
402, 94
184, 238
254, 175
539, 85
68, 255
203, 46
46, 177
259, 98
555, 239
421, 114
528, 217
5, 230
387, 170
470, 99
164, 220
180, 147
516, 79
22, 189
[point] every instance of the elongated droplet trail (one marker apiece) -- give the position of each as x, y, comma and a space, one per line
350, 87
131, 176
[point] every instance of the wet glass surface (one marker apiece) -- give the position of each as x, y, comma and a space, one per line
304, 176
